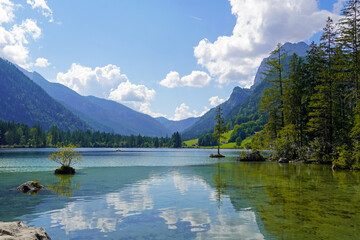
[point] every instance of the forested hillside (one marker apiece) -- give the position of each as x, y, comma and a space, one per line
206, 123
23, 101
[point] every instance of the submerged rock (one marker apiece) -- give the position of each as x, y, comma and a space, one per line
283, 160
251, 157
65, 170
30, 187
20, 231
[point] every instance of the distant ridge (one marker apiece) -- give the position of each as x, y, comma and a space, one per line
206, 123
177, 126
300, 49
101, 114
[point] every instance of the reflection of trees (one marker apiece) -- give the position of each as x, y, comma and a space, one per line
297, 201
220, 184
64, 188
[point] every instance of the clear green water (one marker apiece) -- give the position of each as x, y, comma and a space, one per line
180, 194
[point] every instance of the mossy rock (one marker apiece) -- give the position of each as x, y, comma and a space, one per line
217, 156
30, 187
65, 170
251, 157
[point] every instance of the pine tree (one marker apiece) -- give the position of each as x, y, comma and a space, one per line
349, 38
295, 100
321, 124
272, 101
176, 140
219, 128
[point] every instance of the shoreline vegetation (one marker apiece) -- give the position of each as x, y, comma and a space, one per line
20, 135
312, 104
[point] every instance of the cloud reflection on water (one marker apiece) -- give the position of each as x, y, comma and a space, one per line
160, 200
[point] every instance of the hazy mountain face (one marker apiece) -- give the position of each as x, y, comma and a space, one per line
177, 126
101, 114
300, 49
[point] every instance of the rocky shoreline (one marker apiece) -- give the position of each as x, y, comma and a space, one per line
20, 231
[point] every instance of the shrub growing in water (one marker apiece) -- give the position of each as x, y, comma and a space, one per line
66, 156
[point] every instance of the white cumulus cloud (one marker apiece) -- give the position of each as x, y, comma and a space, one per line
14, 38
195, 79
108, 82
42, 62
215, 101
87, 81
6, 11
183, 111
338, 6
128, 92
13, 41
135, 96
260, 25
41, 4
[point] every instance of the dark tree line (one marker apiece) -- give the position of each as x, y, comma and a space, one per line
313, 109
21, 135
207, 140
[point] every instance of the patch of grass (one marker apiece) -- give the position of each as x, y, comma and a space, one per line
228, 145
190, 143
246, 143
227, 136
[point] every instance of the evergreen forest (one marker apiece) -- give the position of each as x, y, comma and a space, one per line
313, 106
20, 135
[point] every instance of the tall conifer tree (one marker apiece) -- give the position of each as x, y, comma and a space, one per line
272, 101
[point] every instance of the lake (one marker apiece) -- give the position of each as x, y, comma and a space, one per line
179, 194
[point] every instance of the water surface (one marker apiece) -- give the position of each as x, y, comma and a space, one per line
179, 194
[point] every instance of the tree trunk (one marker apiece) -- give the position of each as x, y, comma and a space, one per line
219, 148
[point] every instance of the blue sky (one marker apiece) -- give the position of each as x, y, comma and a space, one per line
173, 58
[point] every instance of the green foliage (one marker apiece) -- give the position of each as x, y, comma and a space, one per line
240, 132
219, 129
176, 140
261, 141
314, 111
345, 159
286, 145
246, 143
66, 156
207, 140
318, 151
273, 99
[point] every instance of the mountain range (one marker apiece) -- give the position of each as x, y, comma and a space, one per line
101, 114
27, 97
